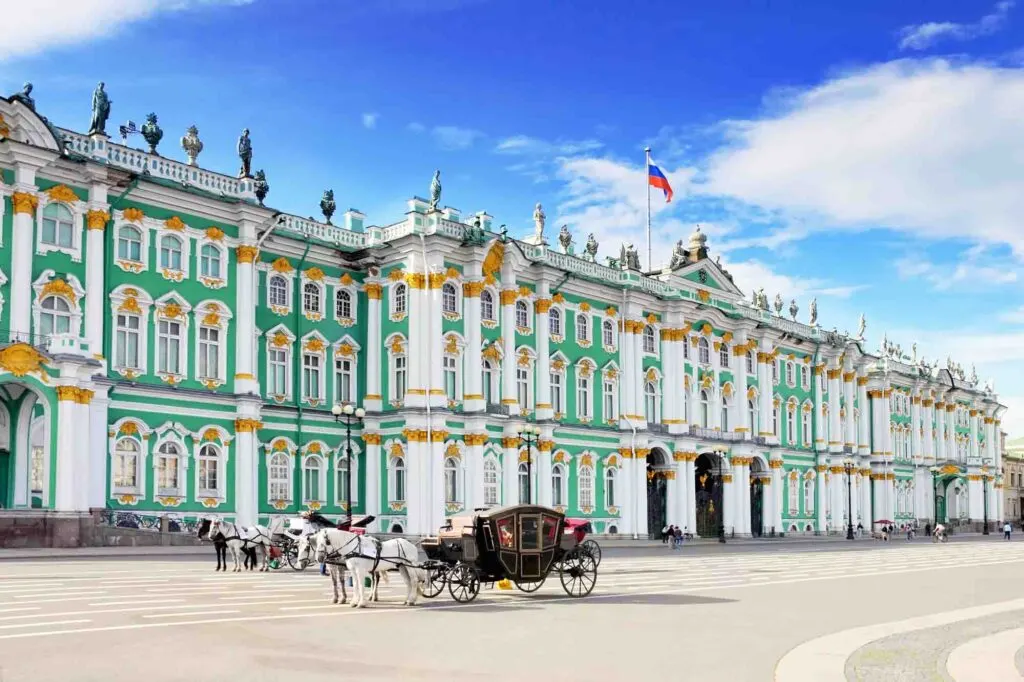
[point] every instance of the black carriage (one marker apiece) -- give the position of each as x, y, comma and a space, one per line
521, 544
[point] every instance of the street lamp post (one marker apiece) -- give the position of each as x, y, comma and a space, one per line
984, 499
848, 467
348, 413
530, 435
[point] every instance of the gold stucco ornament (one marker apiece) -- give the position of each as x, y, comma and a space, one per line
20, 358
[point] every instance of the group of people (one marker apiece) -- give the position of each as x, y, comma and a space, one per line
674, 536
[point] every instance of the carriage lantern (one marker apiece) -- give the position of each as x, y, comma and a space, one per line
348, 413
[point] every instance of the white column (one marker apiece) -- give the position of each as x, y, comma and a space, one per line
672, 498
508, 337
864, 421
940, 432
542, 472
879, 511
95, 258
372, 466
821, 490
975, 502
850, 432
438, 397
975, 452
245, 321
635, 377
865, 499
83, 461
510, 468
68, 435
416, 472
740, 415
819, 424
951, 429
693, 395
625, 491
766, 390
835, 429
681, 510
715, 408
639, 485
927, 447
669, 397
436, 488
372, 399
743, 498
691, 492
246, 476
97, 450
20, 302
543, 398
729, 511
417, 356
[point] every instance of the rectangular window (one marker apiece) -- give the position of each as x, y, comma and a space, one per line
523, 388
127, 341
583, 398
310, 376
343, 380
450, 383
790, 380
556, 393
609, 401
209, 353
167, 475
169, 347
400, 376
278, 371
775, 372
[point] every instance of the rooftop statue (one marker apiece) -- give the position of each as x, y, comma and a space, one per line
261, 186
327, 205
435, 191
974, 375
678, 256
152, 133
778, 304
913, 353
538, 223
628, 257
192, 145
565, 238
25, 96
793, 309
591, 247
245, 154
861, 326
814, 312
100, 111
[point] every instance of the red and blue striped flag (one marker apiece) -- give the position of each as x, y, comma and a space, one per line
657, 179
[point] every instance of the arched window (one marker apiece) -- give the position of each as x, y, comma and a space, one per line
586, 489
170, 252
557, 486
397, 479
451, 480
209, 471
129, 244
278, 291
804, 374
126, 464
650, 402
582, 327
752, 415
555, 322
608, 333
449, 301
343, 305
705, 409
55, 317
609, 487
488, 382
723, 355
209, 261
522, 315
491, 482
750, 362
311, 297
168, 458
312, 477
725, 413
809, 496
58, 226
487, 306
703, 352
278, 476
649, 344
400, 299
524, 483
790, 374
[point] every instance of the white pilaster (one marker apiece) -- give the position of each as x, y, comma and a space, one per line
766, 389
691, 493
739, 404
508, 337
374, 370
436, 393
97, 451
25, 206
821, 492
542, 330
245, 321
835, 429
819, 425
776, 491
864, 420
850, 427
372, 465
940, 437
68, 434
95, 223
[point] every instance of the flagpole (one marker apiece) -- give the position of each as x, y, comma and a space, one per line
647, 173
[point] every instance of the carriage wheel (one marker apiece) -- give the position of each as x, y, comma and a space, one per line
463, 583
578, 573
529, 587
436, 578
292, 553
594, 549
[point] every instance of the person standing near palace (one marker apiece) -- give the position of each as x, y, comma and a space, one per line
1007, 529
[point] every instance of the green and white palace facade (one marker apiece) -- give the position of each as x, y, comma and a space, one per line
173, 348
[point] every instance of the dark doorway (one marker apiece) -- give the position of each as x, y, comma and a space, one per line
708, 485
657, 494
5, 479
756, 507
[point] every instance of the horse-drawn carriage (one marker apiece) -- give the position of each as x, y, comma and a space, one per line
522, 544
285, 545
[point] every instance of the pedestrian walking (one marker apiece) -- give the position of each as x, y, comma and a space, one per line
1007, 529
678, 537
664, 534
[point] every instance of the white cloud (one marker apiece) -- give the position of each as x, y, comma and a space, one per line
922, 36
526, 145
1015, 316
415, 127
926, 147
453, 138
33, 27
370, 121
968, 272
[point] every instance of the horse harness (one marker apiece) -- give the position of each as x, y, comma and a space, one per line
339, 556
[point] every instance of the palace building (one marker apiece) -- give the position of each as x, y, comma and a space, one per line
171, 348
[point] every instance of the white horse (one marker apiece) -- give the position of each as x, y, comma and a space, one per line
364, 555
336, 569
240, 538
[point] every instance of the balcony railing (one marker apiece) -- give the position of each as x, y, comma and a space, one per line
712, 434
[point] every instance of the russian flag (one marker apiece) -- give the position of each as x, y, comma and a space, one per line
657, 179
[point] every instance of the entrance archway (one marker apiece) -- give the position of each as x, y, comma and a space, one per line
707, 473
26, 447
757, 476
658, 463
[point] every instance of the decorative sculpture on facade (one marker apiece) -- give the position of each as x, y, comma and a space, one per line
435, 191
778, 304
100, 111
678, 256
192, 145
152, 133
913, 353
793, 309
327, 205
862, 325
25, 96
591, 248
538, 223
814, 312
565, 238
245, 154
974, 375
629, 259
260, 186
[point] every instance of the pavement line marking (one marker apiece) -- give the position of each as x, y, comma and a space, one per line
136, 601
188, 613
824, 659
128, 610
38, 625
21, 608
987, 659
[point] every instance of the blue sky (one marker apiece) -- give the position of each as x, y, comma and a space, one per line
869, 153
